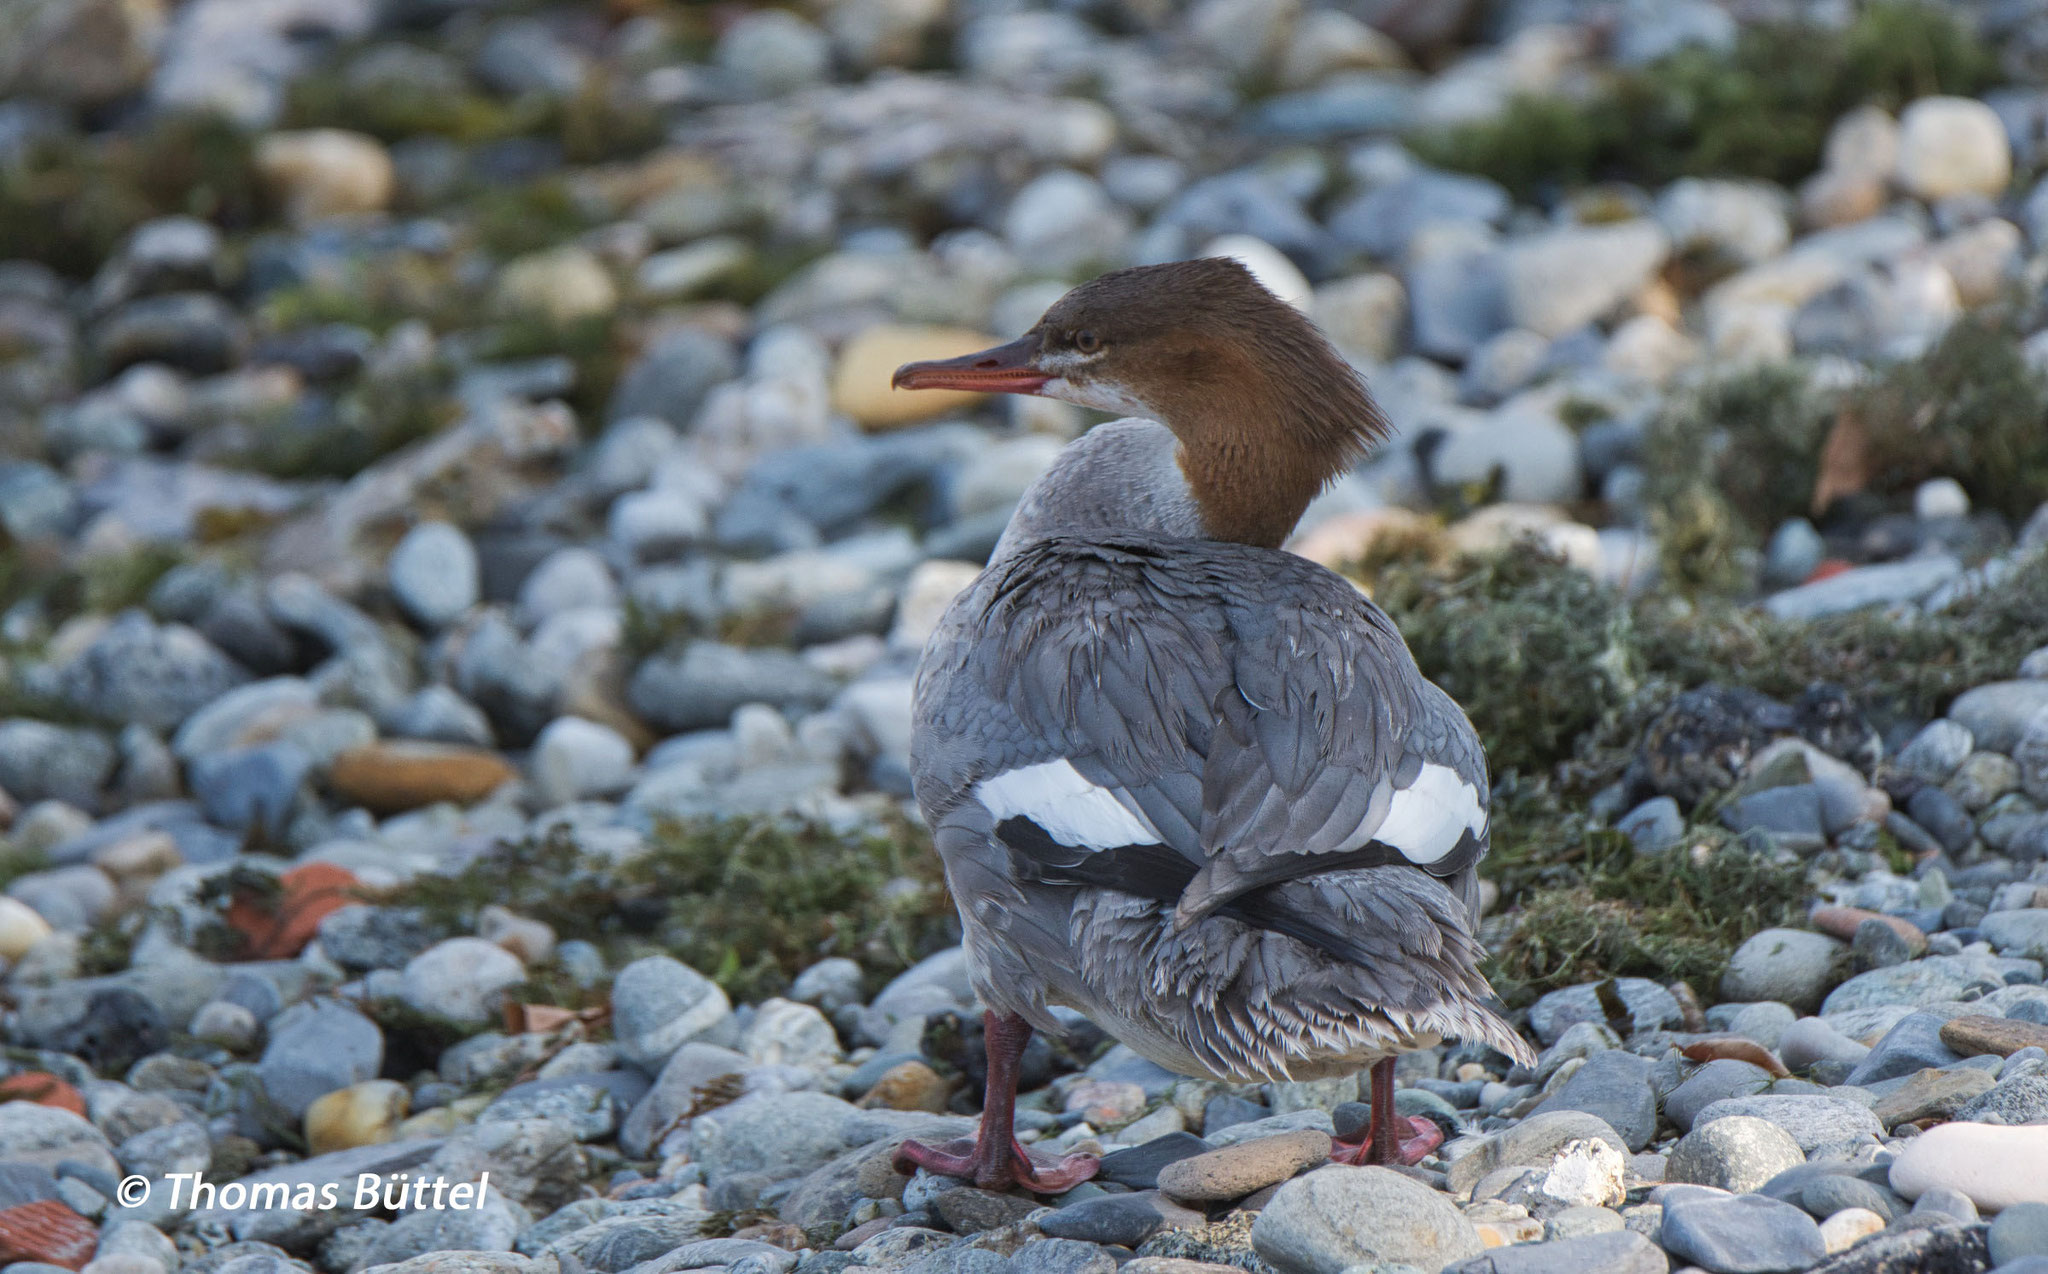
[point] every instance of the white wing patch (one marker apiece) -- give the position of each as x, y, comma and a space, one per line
1428, 818
1072, 810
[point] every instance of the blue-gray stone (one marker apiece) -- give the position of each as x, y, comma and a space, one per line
1913, 1044
1654, 826
251, 788
1061, 1256
1614, 1085
1741, 1234
1943, 816
1719, 1079
1227, 1109
2019, 1231
1830, 1194
1650, 1006
1382, 220
2023, 1099
1792, 815
315, 1048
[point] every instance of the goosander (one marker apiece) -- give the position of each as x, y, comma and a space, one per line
1183, 782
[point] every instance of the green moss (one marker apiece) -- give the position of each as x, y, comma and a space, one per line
1972, 408
1759, 109
69, 201
1589, 907
1559, 673
593, 343
393, 108
1751, 440
1534, 650
16, 863
748, 902
515, 220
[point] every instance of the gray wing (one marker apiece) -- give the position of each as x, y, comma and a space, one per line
1257, 718
1334, 746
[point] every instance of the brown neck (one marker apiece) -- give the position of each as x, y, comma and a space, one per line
1256, 446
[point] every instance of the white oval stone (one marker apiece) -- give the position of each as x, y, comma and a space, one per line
1995, 1166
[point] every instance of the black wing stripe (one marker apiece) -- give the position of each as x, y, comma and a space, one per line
1160, 873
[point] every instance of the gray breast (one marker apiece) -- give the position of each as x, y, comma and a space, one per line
1124, 475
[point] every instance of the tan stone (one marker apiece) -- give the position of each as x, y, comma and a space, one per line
326, 172
1972, 1036
1844, 1229
909, 1086
1235, 1171
392, 777
21, 927
860, 380
561, 284
1931, 1093
360, 1115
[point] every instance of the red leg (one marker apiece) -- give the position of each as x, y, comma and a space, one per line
993, 1159
1383, 1143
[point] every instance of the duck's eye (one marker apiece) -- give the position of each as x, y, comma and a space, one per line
1086, 341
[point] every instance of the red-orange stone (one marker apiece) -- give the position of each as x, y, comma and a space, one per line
46, 1230
309, 894
44, 1089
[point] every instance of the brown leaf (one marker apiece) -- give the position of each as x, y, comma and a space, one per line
1741, 1048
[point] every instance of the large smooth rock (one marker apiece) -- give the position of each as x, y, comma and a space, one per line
1738, 1153
1793, 966
1563, 279
1341, 1216
1745, 1234
1615, 1086
1996, 1167
1811, 1121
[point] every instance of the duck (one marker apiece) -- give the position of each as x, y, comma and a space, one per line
1183, 782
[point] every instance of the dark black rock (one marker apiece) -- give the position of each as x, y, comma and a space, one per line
117, 1029
1125, 1220
966, 1210
1138, 1167
1950, 1249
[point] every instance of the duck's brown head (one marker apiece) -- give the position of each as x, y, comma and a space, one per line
1266, 411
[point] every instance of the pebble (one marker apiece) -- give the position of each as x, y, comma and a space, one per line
1340, 1216
1619, 1252
1971, 1035
462, 979
360, 1115
1739, 1234
1235, 1171
1792, 966
1952, 146
434, 574
2017, 1232
1845, 1229
393, 777
660, 1004
1735, 1152
1994, 1167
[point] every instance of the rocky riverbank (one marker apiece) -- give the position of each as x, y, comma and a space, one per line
462, 570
